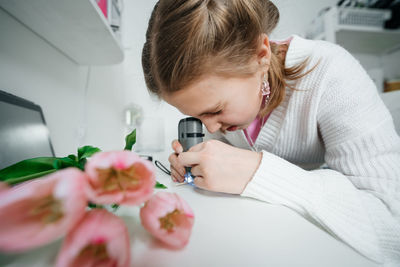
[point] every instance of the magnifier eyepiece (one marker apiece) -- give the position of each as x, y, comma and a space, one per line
190, 133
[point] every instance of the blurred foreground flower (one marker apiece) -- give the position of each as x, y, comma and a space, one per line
45, 198
168, 218
120, 177
99, 239
3, 187
37, 212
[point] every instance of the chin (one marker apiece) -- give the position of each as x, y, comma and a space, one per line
242, 127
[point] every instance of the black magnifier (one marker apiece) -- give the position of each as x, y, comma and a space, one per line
190, 133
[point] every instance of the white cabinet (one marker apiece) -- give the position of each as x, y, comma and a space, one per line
77, 28
392, 100
357, 30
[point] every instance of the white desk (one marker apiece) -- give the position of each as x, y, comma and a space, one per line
228, 231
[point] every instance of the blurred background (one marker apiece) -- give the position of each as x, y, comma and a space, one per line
80, 61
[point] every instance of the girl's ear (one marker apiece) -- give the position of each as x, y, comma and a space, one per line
264, 52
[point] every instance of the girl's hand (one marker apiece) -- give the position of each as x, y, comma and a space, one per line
177, 169
220, 167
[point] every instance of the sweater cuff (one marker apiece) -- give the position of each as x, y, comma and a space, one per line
278, 181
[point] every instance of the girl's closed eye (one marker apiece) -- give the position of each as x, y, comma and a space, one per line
214, 113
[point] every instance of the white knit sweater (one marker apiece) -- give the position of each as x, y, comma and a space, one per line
335, 117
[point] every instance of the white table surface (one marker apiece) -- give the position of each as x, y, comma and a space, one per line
230, 231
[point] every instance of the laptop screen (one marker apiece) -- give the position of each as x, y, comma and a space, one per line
23, 131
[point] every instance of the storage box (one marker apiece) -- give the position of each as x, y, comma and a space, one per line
392, 85
342, 17
363, 17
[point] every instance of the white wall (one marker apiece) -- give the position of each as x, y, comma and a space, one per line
136, 16
296, 15
391, 65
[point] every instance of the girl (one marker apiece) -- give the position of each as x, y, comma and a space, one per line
275, 113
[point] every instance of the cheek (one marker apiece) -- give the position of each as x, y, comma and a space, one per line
237, 116
241, 112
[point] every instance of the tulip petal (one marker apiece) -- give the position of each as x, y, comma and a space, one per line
100, 239
39, 211
168, 218
120, 177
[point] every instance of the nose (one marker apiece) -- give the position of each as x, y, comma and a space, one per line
212, 125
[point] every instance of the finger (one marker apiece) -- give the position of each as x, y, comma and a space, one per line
189, 159
179, 169
176, 146
197, 148
174, 163
173, 158
199, 182
176, 177
196, 171
179, 175
173, 178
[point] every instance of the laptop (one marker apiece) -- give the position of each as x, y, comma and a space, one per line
23, 131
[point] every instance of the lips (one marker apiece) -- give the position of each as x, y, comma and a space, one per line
232, 128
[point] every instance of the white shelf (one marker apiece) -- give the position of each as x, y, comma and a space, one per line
76, 27
355, 38
370, 41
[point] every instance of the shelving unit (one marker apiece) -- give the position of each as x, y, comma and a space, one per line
371, 39
77, 28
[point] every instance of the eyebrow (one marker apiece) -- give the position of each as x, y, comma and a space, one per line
212, 110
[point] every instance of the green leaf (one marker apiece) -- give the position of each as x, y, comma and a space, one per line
130, 140
81, 164
63, 163
114, 207
18, 180
87, 151
27, 169
91, 205
57, 164
160, 186
95, 206
73, 157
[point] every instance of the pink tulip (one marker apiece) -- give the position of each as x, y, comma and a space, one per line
168, 218
120, 177
100, 239
39, 211
4, 187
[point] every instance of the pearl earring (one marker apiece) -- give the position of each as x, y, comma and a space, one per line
265, 89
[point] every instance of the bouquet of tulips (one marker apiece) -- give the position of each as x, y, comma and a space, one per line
44, 199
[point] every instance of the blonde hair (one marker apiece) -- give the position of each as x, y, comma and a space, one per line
187, 39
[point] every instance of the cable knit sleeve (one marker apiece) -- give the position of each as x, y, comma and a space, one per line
357, 199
